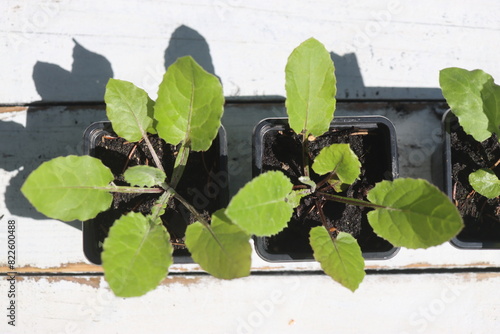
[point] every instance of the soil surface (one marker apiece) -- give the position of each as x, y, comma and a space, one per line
282, 151
481, 215
203, 184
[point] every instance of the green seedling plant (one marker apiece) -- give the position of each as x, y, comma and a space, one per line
474, 98
137, 253
409, 213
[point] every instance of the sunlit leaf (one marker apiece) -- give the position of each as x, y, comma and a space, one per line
485, 182
341, 259
474, 99
137, 254
310, 88
260, 207
189, 105
228, 256
127, 109
144, 176
338, 158
69, 188
413, 213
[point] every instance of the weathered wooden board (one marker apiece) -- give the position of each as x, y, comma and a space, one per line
65, 50
421, 303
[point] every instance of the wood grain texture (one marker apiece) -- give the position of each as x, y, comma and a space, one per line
66, 50
436, 303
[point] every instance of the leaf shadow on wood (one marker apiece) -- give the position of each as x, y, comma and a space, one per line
70, 101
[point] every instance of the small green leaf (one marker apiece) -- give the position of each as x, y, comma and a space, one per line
228, 256
413, 213
260, 207
189, 105
137, 254
68, 188
338, 158
144, 176
127, 109
310, 88
341, 259
485, 182
295, 196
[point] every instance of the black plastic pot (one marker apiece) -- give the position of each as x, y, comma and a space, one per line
292, 244
481, 231
212, 196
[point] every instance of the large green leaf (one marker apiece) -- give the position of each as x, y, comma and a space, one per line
189, 106
137, 254
474, 99
341, 259
228, 256
144, 176
413, 213
310, 88
69, 188
261, 206
340, 159
127, 109
485, 182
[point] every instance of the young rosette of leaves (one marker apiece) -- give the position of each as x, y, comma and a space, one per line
474, 98
137, 254
224, 252
310, 88
69, 188
261, 207
129, 109
413, 213
340, 159
189, 106
147, 176
340, 258
485, 182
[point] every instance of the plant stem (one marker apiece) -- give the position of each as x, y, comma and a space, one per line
153, 152
125, 190
305, 155
180, 164
191, 209
162, 203
351, 201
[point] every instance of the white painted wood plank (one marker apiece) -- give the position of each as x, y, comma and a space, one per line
427, 303
389, 49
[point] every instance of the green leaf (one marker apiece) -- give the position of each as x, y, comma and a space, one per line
189, 105
295, 196
260, 207
151, 114
338, 158
491, 104
127, 109
413, 213
137, 254
485, 182
69, 188
228, 256
310, 88
144, 176
474, 99
341, 259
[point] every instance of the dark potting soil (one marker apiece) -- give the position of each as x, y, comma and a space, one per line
203, 184
282, 151
481, 215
